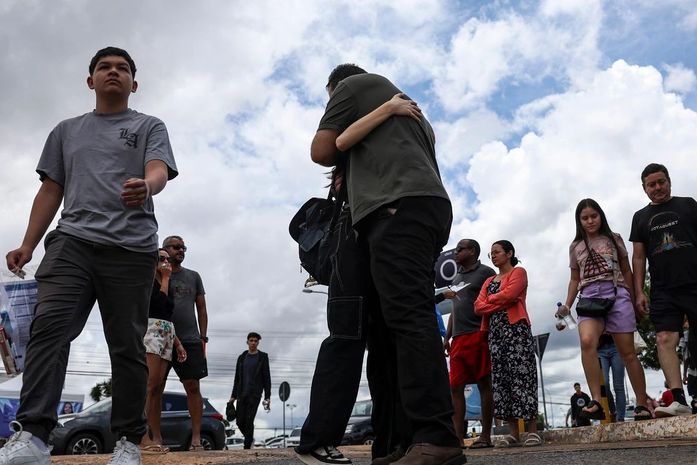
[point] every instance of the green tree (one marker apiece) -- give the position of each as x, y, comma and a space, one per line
649, 356
101, 390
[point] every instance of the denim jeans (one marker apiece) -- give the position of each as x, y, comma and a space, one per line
610, 359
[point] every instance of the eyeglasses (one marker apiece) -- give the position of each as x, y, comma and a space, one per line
176, 247
493, 254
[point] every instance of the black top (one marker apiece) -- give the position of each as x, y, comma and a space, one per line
578, 402
261, 381
669, 234
161, 304
463, 307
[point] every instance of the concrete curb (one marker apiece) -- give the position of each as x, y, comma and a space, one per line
684, 427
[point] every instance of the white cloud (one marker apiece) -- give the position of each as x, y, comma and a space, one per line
679, 79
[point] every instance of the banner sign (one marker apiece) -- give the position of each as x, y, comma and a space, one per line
446, 268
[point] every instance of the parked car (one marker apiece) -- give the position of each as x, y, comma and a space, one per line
360, 428
233, 442
275, 442
89, 431
294, 439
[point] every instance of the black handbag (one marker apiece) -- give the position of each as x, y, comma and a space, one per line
312, 228
597, 307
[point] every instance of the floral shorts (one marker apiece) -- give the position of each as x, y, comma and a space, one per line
159, 338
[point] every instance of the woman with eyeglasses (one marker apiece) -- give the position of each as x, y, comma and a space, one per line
160, 341
501, 304
600, 268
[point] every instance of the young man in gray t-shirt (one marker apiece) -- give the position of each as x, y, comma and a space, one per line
104, 166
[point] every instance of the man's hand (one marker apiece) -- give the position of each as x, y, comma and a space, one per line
181, 354
449, 294
135, 192
267, 404
641, 305
446, 346
16, 259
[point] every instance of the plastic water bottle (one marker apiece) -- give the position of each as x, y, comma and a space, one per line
564, 322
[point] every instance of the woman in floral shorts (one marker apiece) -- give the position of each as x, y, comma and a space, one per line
160, 341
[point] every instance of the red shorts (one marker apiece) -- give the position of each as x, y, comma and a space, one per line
469, 358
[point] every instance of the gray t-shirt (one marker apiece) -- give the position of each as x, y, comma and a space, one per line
463, 308
185, 286
397, 159
91, 156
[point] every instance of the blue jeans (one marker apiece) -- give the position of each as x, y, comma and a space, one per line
610, 358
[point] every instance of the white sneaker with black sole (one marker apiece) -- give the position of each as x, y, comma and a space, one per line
125, 453
324, 454
673, 410
21, 449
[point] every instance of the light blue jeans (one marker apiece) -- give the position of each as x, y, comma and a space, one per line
610, 358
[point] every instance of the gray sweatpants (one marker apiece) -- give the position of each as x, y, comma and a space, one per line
72, 276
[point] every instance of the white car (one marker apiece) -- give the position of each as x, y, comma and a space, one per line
234, 443
294, 439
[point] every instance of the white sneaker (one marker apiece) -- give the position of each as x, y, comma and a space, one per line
21, 450
125, 453
673, 410
322, 455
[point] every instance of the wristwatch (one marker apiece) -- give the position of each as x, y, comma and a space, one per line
204, 339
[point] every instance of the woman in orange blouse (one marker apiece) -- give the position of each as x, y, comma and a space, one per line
501, 304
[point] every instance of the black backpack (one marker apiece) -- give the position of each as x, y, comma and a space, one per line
311, 228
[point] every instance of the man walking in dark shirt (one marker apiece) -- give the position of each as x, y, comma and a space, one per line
252, 376
665, 233
579, 400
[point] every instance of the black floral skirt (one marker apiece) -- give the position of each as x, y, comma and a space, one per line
513, 368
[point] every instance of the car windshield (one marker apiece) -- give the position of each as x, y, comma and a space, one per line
362, 408
102, 406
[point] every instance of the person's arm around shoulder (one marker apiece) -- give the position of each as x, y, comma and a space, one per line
46, 203
641, 303
511, 288
398, 105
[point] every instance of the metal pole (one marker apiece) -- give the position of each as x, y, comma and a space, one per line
542, 381
284, 424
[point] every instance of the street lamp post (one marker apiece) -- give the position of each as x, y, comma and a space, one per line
312, 291
291, 407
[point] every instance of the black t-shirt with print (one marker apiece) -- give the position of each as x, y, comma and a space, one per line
669, 234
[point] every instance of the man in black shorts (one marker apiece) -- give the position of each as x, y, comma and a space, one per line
191, 328
665, 233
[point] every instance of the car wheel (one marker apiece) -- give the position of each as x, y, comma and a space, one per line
368, 440
207, 442
84, 443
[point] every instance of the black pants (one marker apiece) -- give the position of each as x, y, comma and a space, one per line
402, 244
340, 359
246, 412
72, 276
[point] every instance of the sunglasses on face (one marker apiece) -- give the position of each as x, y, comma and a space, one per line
163, 258
176, 247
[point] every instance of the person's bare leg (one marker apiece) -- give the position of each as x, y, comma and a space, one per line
625, 347
153, 398
458, 396
666, 343
589, 332
513, 428
486, 396
156, 405
195, 403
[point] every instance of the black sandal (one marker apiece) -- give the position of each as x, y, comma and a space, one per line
599, 414
642, 413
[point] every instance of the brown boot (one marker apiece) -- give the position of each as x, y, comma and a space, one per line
430, 454
397, 454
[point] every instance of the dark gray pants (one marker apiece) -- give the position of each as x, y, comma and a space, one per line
72, 276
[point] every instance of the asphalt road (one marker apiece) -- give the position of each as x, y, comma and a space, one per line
619, 453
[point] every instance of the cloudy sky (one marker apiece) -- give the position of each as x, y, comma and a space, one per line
535, 106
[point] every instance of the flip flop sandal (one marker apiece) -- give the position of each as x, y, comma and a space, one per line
532, 439
642, 413
599, 414
507, 441
154, 449
480, 445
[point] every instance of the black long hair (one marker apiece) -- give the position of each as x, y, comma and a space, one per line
604, 226
508, 247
